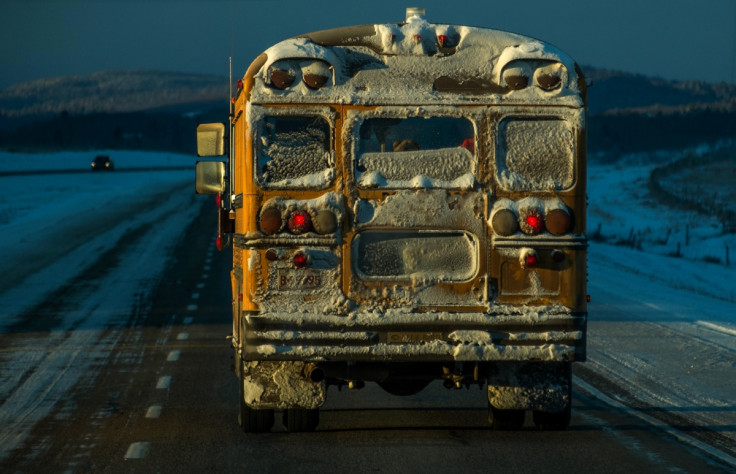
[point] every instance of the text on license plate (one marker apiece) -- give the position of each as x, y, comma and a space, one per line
298, 279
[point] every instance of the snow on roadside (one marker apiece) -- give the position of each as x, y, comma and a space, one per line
52, 226
59, 225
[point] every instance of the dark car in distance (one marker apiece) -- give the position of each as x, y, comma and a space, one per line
102, 162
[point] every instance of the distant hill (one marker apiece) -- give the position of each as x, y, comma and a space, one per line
630, 113
110, 92
158, 110
615, 92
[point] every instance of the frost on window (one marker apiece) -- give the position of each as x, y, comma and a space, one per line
416, 153
294, 152
395, 255
535, 154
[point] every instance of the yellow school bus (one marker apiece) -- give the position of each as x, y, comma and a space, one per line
406, 204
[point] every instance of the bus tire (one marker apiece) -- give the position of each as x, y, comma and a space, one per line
299, 420
506, 420
252, 420
552, 421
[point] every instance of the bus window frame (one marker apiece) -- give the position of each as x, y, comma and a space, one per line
354, 118
256, 116
573, 117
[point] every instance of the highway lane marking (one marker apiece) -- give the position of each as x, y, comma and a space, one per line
195, 296
192, 307
173, 355
182, 336
188, 320
674, 432
137, 450
163, 382
154, 411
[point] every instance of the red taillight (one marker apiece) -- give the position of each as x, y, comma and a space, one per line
442, 40
300, 260
270, 220
528, 258
535, 222
300, 222
219, 242
532, 221
558, 222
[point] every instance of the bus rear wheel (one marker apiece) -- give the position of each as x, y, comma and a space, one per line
506, 420
301, 419
552, 421
252, 420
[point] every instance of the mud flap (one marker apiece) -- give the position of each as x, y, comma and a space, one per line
542, 386
280, 385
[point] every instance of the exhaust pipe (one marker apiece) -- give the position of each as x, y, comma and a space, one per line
313, 373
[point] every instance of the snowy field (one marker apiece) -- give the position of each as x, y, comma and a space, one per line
663, 328
75, 214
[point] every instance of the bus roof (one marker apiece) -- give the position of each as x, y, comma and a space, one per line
415, 62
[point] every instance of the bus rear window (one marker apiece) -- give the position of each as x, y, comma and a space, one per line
535, 155
294, 151
416, 152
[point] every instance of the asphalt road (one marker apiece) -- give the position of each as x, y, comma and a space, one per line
157, 395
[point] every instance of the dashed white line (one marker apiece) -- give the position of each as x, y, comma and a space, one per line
154, 411
173, 355
163, 382
195, 296
137, 450
183, 336
188, 320
192, 307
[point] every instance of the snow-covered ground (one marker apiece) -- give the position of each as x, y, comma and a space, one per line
661, 327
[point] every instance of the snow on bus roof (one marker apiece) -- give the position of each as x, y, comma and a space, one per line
368, 62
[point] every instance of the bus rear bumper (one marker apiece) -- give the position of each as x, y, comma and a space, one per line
542, 335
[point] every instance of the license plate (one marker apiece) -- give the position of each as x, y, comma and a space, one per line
298, 279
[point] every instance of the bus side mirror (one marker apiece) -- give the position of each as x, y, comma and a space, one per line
209, 177
211, 139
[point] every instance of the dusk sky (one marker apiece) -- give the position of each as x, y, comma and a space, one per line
672, 39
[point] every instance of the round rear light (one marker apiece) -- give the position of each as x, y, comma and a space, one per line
558, 256
528, 258
504, 222
550, 77
300, 222
558, 222
270, 220
516, 76
282, 78
325, 222
316, 74
300, 260
532, 221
